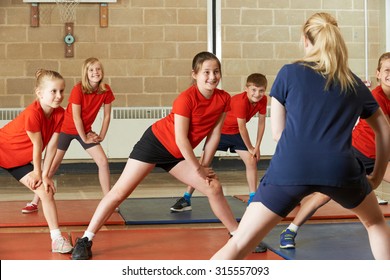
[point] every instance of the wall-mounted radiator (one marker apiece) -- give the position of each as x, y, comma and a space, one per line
129, 123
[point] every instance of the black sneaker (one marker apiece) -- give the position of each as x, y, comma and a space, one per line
261, 248
181, 205
82, 249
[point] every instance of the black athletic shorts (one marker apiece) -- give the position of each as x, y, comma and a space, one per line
150, 150
65, 139
20, 171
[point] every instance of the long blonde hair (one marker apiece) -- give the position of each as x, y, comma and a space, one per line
329, 55
85, 85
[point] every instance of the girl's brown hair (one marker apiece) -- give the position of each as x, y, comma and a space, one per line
200, 58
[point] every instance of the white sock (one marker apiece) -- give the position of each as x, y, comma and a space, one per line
293, 227
89, 235
232, 233
55, 233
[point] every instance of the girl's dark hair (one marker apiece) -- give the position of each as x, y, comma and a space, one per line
200, 58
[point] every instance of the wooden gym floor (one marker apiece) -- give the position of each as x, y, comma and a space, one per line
72, 186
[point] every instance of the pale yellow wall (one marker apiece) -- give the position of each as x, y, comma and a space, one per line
149, 44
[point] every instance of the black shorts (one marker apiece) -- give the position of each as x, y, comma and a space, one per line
367, 162
65, 139
150, 150
283, 199
231, 141
20, 171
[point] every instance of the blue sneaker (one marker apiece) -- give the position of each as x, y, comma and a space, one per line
287, 239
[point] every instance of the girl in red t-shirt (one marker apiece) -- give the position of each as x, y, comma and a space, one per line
23, 140
85, 101
198, 112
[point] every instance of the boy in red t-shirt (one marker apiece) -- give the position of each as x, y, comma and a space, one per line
23, 140
235, 136
363, 142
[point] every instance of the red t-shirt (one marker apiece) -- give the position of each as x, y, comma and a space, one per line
203, 114
90, 106
16, 148
242, 109
363, 137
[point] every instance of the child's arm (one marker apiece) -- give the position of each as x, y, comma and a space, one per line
260, 134
50, 153
245, 135
78, 121
182, 125
212, 142
105, 124
34, 178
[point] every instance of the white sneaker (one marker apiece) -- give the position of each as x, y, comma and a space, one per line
381, 201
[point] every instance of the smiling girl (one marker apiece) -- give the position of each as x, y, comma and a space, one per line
85, 101
198, 112
23, 140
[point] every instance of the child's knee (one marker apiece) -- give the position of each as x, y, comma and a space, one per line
102, 162
215, 187
44, 196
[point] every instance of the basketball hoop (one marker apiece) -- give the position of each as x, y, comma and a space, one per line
67, 9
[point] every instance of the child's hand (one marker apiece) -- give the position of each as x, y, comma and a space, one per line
373, 181
98, 139
256, 154
34, 180
91, 136
48, 184
207, 173
95, 138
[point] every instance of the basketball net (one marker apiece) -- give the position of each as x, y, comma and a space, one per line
67, 9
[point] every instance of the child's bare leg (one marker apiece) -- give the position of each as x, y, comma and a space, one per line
100, 158
309, 207
53, 169
48, 204
372, 218
213, 190
251, 169
133, 173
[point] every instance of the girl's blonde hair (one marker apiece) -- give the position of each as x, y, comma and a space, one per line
85, 85
43, 75
329, 55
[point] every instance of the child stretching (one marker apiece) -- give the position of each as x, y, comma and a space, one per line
198, 112
85, 101
23, 140
235, 135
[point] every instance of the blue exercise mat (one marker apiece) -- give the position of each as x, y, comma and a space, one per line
146, 211
336, 241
